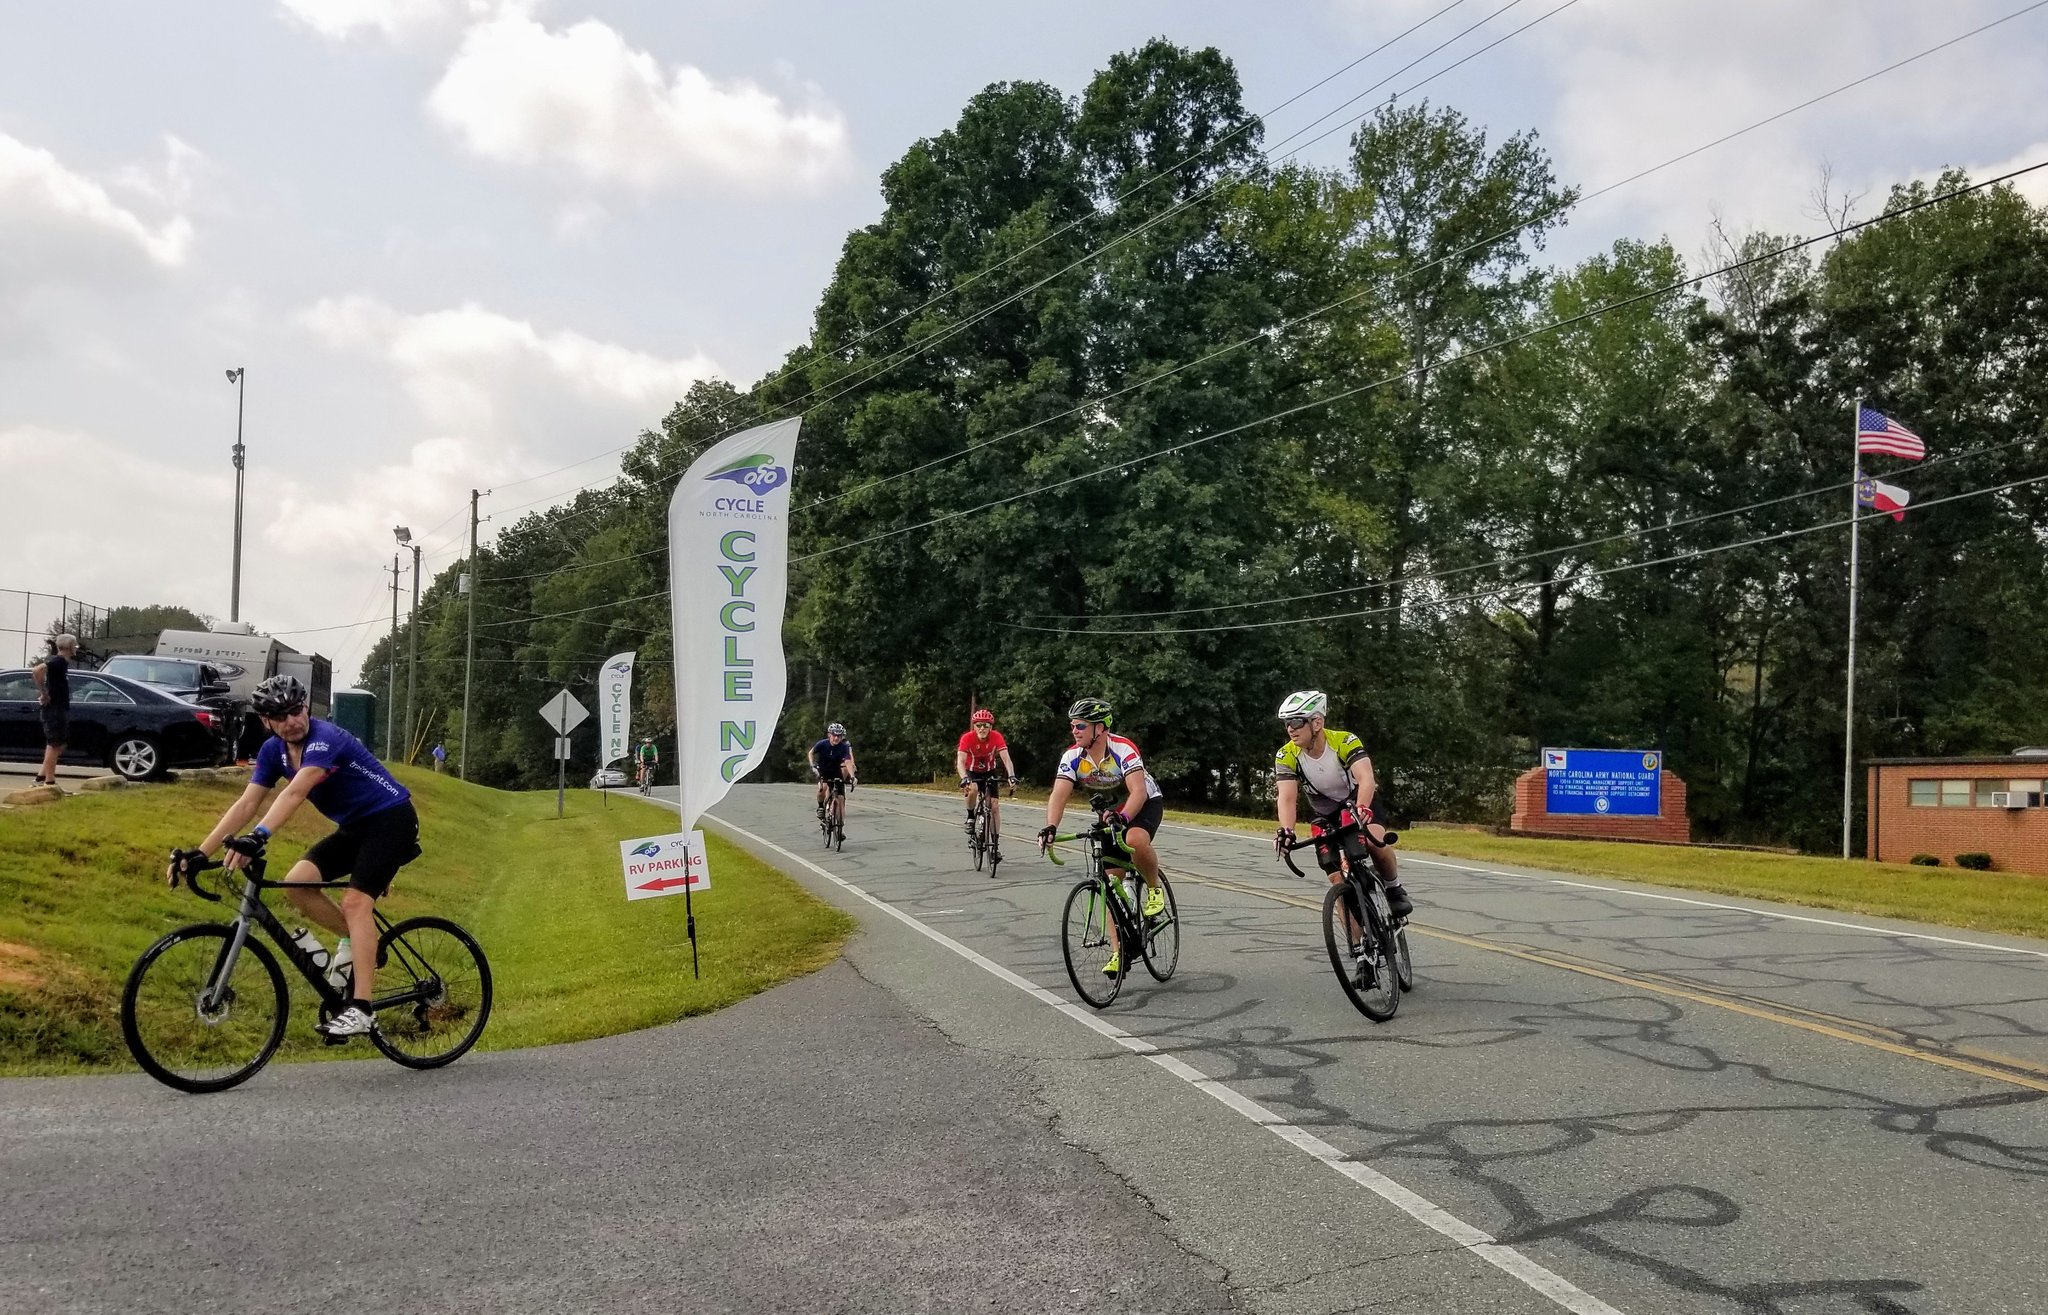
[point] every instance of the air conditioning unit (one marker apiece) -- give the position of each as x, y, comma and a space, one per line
2015, 799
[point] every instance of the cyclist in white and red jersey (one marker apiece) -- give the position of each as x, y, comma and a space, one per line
1103, 762
982, 752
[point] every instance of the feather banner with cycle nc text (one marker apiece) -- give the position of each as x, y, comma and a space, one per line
615, 707
728, 571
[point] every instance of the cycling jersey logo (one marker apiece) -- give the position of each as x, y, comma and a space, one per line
757, 473
647, 850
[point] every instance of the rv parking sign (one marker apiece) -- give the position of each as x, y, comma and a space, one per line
664, 865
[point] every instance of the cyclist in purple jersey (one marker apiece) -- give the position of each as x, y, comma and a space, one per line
377, 832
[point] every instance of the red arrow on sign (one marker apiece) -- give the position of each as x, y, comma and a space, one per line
665, 883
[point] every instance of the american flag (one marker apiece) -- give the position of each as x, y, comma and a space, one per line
1878, 432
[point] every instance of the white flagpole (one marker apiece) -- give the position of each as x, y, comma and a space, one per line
1849, 713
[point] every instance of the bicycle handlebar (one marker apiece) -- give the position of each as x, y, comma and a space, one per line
189, 863
1353, 827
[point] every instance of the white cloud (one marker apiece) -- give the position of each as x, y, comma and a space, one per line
393, 20
583, 99
472, 371
51, 215
113, 545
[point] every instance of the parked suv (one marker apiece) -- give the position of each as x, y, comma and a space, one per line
133, 728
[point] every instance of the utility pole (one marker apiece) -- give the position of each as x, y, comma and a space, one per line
391, 658
469, 583
235, 589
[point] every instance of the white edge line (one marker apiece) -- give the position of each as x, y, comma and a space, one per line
1475, 1241
1864, 927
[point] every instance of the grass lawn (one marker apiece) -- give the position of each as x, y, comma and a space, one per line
82, 895
1951, 897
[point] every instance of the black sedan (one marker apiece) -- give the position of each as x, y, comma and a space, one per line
123, 724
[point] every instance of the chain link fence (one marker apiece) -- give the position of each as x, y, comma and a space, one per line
29, 618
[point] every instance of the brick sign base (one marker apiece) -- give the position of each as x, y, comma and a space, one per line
1672, 826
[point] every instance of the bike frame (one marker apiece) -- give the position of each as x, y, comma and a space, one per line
252, 911
1102, 849
1369, 890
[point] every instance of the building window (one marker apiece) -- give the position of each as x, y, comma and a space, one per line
1985, 790
1923, 794
1955, 794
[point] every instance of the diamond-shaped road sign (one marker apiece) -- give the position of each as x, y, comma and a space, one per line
564, 713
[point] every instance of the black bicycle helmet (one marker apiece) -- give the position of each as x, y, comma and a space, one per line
1092, 709
278, 696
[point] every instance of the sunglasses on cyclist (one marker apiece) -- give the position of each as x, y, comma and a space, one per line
1079, 725
984, 725
1294, 723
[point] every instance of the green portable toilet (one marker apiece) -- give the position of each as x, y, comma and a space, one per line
355, 711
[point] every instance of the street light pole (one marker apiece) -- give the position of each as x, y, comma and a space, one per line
235, 589
391, 660
412, 664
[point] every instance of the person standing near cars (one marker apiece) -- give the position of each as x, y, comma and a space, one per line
53, 691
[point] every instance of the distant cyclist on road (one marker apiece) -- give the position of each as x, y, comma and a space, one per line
981, 750
1102, 762
1329, 770
377, 832
648, 757
832, 757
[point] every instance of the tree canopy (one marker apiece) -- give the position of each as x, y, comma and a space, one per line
1104, 402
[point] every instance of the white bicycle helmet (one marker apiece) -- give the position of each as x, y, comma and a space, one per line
1305, 703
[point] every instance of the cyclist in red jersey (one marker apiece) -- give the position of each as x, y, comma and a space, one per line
981, 750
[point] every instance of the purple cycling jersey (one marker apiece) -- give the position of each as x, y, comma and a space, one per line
356, 784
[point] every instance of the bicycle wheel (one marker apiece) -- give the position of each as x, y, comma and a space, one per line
839, 828
178, 1036
1162, 936
977, 839
1404, 967
440, 972
1084, 941
1368, 981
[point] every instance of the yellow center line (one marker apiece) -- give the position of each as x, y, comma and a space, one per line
2018, 1072
1999, 1068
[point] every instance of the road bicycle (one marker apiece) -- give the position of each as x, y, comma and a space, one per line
1355, 912
646, 780
981, 827
1109, 897
833, 823
205, 1006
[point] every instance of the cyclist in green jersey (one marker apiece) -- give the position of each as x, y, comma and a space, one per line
1329, 770
648, 757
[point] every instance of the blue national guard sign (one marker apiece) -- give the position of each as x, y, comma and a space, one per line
1603, 782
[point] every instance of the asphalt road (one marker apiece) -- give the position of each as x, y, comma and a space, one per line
1669, 1102
1600, 1098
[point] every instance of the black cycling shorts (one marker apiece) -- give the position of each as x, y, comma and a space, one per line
370, 851
1148, 819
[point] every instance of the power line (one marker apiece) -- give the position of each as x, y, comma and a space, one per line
1313, 404
876, 369
1527, 586
1533, 555
1397, 377
1287, 325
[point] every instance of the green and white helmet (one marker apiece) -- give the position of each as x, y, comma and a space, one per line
1305, 703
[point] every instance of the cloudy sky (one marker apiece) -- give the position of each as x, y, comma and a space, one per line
463, 243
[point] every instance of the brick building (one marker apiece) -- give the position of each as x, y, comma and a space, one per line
1950, 806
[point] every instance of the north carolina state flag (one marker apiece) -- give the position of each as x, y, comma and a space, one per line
1880, 496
